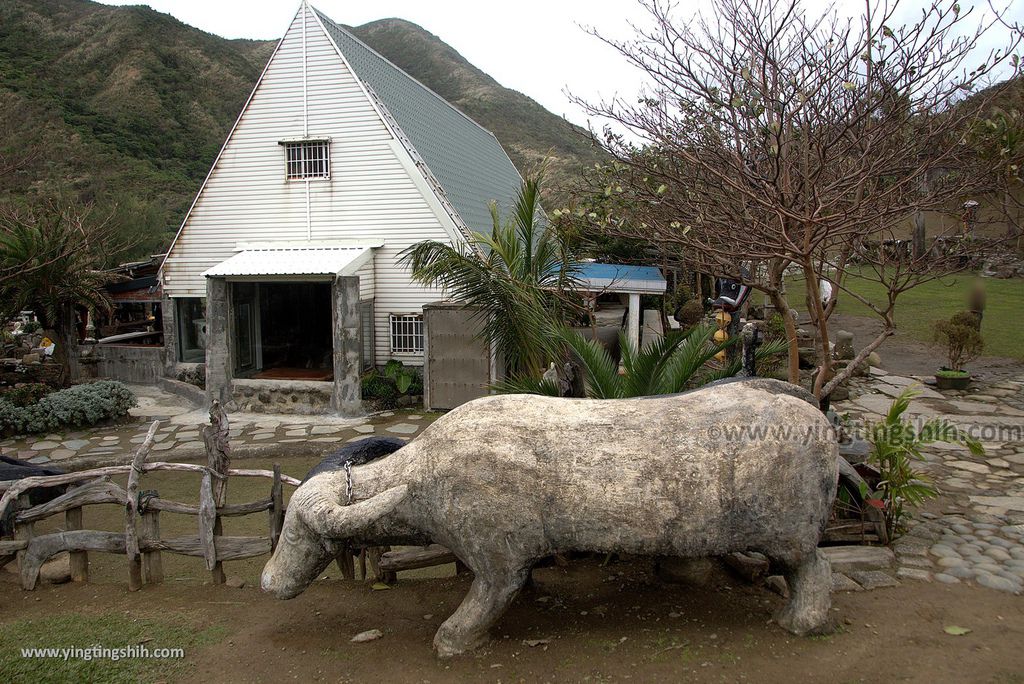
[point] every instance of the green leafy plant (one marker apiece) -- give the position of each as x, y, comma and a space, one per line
397, 372
79, 405
895, 444
26, 394
961, 337
394, 380
673, 364
30, 327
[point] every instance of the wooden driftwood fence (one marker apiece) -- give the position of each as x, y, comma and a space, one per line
141, 541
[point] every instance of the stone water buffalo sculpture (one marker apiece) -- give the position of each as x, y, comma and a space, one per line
504, 481
356, 454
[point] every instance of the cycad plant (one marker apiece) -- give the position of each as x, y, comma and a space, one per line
675, 363
520, 280
895, 444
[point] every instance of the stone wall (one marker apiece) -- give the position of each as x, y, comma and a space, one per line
133, 364
283, 396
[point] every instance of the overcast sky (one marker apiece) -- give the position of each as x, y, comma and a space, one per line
534, 46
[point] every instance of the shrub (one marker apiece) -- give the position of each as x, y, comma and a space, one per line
30, 327
80, 405
26, 394
961, 337
690, 314
380, 390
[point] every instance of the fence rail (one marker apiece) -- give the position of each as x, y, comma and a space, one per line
141, 541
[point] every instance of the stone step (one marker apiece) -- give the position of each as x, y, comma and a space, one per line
853, 558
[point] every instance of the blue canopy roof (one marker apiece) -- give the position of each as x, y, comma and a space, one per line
596, 277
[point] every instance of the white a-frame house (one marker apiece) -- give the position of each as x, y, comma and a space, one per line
286, 266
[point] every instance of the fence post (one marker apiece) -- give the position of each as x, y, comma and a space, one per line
79, 560
23, 531
131, 509
218, 457
152, 564
276, 508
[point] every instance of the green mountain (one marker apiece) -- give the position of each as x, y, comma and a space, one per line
126, 107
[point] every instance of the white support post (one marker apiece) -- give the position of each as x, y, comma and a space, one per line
633, 321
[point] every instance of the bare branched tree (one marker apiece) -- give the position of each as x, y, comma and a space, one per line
769, 141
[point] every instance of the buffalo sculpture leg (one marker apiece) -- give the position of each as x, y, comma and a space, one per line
810, 586
489, 595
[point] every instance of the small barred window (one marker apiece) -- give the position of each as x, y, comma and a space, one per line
406, 333
308, 159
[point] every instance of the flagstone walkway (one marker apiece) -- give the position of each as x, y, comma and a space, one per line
975, 531
179, 434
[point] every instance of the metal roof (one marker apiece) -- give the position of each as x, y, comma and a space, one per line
596, 277
292, 261
466, 159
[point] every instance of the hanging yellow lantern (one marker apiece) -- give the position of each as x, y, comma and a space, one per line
723, 319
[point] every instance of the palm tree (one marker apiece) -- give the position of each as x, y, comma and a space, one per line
672, 364
56, 252
520, 279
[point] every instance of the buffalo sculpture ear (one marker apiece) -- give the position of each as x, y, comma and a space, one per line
334, 521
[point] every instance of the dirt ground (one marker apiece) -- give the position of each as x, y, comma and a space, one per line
596, 623
903, 355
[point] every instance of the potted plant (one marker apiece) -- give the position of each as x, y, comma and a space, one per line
961, 336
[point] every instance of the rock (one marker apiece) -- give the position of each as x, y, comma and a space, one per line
998, 583
970, 466
946, 579
325, 429
841, 582
873, 579
844, 345
57, 570
846, 558
914, 574
403, 429
777, 583
235, 582
28, 359
368, 635
695, 572
750, 568
874, 359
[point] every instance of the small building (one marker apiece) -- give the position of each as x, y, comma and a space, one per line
285, 273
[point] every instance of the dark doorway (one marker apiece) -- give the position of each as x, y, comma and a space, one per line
291, 331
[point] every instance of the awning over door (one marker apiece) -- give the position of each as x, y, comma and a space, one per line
288, 260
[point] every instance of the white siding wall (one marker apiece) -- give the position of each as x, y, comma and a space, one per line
371, 195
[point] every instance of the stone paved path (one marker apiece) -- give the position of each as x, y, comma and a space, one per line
179, 434
975, 531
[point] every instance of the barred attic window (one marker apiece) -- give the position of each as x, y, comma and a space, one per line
308, 159
406, 333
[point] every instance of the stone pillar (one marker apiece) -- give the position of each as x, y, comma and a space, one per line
633, 321
346, 398
219, 364
170, 320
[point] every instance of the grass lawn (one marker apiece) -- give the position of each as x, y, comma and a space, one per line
72, 630
918, 309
